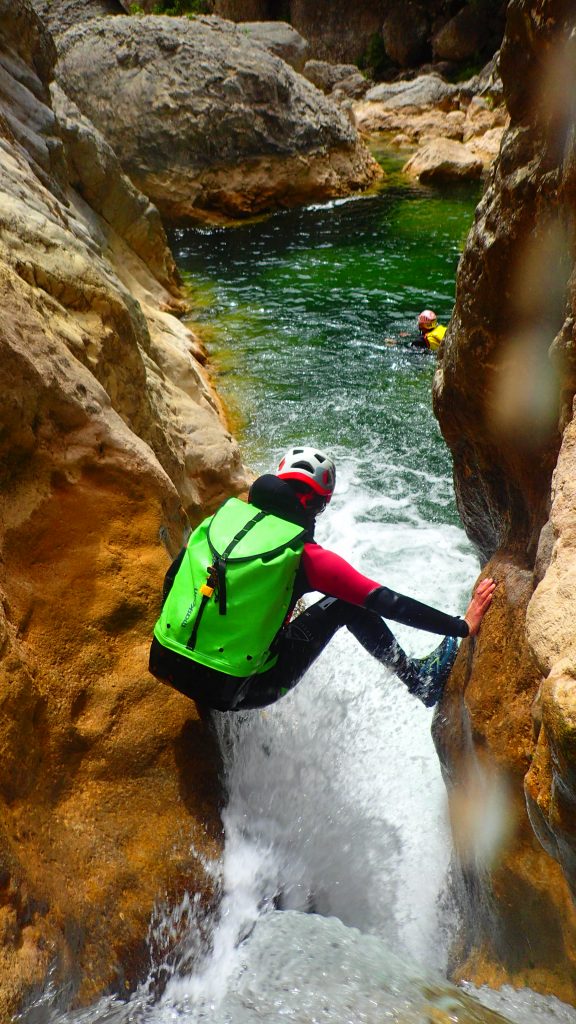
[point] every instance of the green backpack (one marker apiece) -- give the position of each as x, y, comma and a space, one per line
232, 591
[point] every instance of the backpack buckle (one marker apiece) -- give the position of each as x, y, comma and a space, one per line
211, 585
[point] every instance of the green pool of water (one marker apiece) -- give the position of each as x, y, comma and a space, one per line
311, 315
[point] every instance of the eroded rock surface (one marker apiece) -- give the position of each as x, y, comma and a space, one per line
205, 120
504, 395
109, 431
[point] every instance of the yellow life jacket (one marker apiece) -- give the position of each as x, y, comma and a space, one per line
435, 337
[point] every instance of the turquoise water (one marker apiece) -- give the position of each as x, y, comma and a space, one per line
311, 314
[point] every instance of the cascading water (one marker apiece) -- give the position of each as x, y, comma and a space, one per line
337, 846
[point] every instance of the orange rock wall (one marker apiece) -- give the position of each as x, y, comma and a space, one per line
109, 431
503, 394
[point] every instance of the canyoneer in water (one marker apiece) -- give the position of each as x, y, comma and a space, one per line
431, 332
225, 636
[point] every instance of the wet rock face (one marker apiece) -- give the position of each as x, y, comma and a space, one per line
327, 77
518, 919
109, 431
504, 396
205, 120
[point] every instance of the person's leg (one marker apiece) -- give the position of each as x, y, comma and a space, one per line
424, 677
434, 670
375, 637
297, 647
305, 638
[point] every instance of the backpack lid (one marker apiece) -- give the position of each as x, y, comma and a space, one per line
249, 532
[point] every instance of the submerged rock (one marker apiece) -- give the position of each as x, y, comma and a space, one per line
206, 121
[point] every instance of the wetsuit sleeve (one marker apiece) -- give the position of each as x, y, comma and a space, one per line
330, 574
409, 612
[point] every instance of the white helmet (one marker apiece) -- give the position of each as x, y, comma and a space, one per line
310, 466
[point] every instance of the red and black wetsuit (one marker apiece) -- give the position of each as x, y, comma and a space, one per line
351, 600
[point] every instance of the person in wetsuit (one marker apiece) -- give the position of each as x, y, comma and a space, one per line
208, 659
431, 333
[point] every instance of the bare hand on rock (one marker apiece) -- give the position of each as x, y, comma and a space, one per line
481, 600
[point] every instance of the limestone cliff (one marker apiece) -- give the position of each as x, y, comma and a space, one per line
109, 431
504, 395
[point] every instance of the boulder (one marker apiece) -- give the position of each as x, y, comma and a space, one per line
405, 34
486, 145
401, 141
423, 91
436, 124
59, 15
281, 39
205, 121
418, 125
443, 160
327, 76
408, 108
354, 87
462, 36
